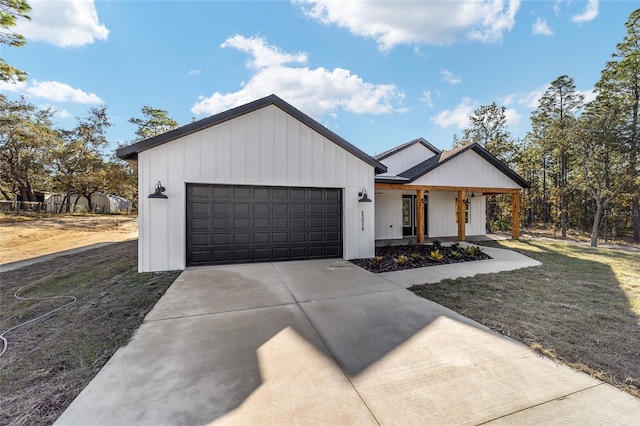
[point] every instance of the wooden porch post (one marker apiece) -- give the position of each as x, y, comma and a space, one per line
461, 210
420, 216
515, 215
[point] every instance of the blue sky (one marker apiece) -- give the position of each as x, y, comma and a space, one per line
378, 73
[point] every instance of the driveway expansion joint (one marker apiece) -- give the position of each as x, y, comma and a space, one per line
560, 398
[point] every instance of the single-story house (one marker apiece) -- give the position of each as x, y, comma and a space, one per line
265, 182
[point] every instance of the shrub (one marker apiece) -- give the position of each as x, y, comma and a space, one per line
473, 251
436, 256
456, 254
416, 256
436, 243
401, 260
455, 246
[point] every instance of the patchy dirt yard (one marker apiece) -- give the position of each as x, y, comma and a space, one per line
61, 319
25, 237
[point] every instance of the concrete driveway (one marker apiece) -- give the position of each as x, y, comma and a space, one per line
325, 342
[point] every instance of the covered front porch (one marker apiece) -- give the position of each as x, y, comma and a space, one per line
460, 213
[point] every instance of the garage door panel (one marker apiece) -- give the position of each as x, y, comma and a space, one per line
201, 240
298, 208
261, 254
240, 192
262, 208
218, 224
261, 237
219, 191
280, 237
199, 192
261, 223
241, 208
261, 193
221, 239
280, 208
220, 208
200, 224
227, 224
298, 222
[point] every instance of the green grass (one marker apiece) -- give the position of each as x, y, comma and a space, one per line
581, 307
49, 362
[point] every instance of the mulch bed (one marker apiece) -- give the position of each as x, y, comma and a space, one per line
388, 258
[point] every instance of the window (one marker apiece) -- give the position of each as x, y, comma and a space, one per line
466, 210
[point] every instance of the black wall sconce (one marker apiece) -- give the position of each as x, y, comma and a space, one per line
466, 201
425, 199
363, 196
158, 192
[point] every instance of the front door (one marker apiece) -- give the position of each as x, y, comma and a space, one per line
409, 206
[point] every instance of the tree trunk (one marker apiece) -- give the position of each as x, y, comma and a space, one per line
68, 197
635, 218
596, 223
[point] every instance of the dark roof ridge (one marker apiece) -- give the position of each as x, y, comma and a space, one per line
130, 152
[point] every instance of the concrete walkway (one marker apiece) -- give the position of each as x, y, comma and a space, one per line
325, 342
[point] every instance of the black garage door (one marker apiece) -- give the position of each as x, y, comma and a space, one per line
229, 224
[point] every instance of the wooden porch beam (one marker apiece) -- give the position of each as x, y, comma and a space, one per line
446, 188
461, 213
515, 216
420, 216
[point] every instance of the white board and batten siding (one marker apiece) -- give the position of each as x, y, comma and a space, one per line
441, 215
388, 205
467, 169
406, 159
264, 147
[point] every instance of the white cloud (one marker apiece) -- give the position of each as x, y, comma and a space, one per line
64, 23
459, 116
432, 22
263, 54
60, 114
541, 27
194, 72
426, 98
512, 116
316, 91
590, 12
63, 113
52, 91
12, 86
589, 95
528, 99
61, 92
449, 77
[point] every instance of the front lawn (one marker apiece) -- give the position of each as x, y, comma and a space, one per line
48, 362
581, 307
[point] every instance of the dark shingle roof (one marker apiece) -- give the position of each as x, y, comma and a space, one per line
130, 152
436, 161
399, 148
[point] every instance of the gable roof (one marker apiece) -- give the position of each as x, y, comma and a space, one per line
130, 152
406, 145
438, 160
